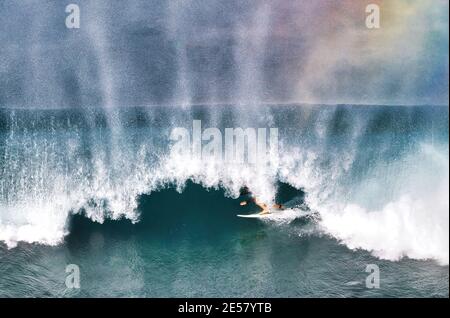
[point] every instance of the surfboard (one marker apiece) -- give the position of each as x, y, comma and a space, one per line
253, 216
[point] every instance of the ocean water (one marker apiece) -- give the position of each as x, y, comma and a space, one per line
102, 189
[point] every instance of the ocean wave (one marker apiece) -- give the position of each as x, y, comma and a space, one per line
394, 206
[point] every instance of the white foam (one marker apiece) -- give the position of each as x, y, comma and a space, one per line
286, 216
44, 224
412, 221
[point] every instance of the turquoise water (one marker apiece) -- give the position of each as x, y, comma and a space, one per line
139, 223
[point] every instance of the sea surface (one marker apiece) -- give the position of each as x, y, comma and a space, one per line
102, 188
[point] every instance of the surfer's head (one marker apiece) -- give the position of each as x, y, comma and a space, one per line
245, 190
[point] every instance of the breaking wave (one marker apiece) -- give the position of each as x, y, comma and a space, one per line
373, 186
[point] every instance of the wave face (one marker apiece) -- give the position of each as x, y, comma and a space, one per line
377, 177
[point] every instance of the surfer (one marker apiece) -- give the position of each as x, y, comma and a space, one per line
262, 205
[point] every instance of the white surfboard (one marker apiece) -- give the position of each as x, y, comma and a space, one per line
254, 216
